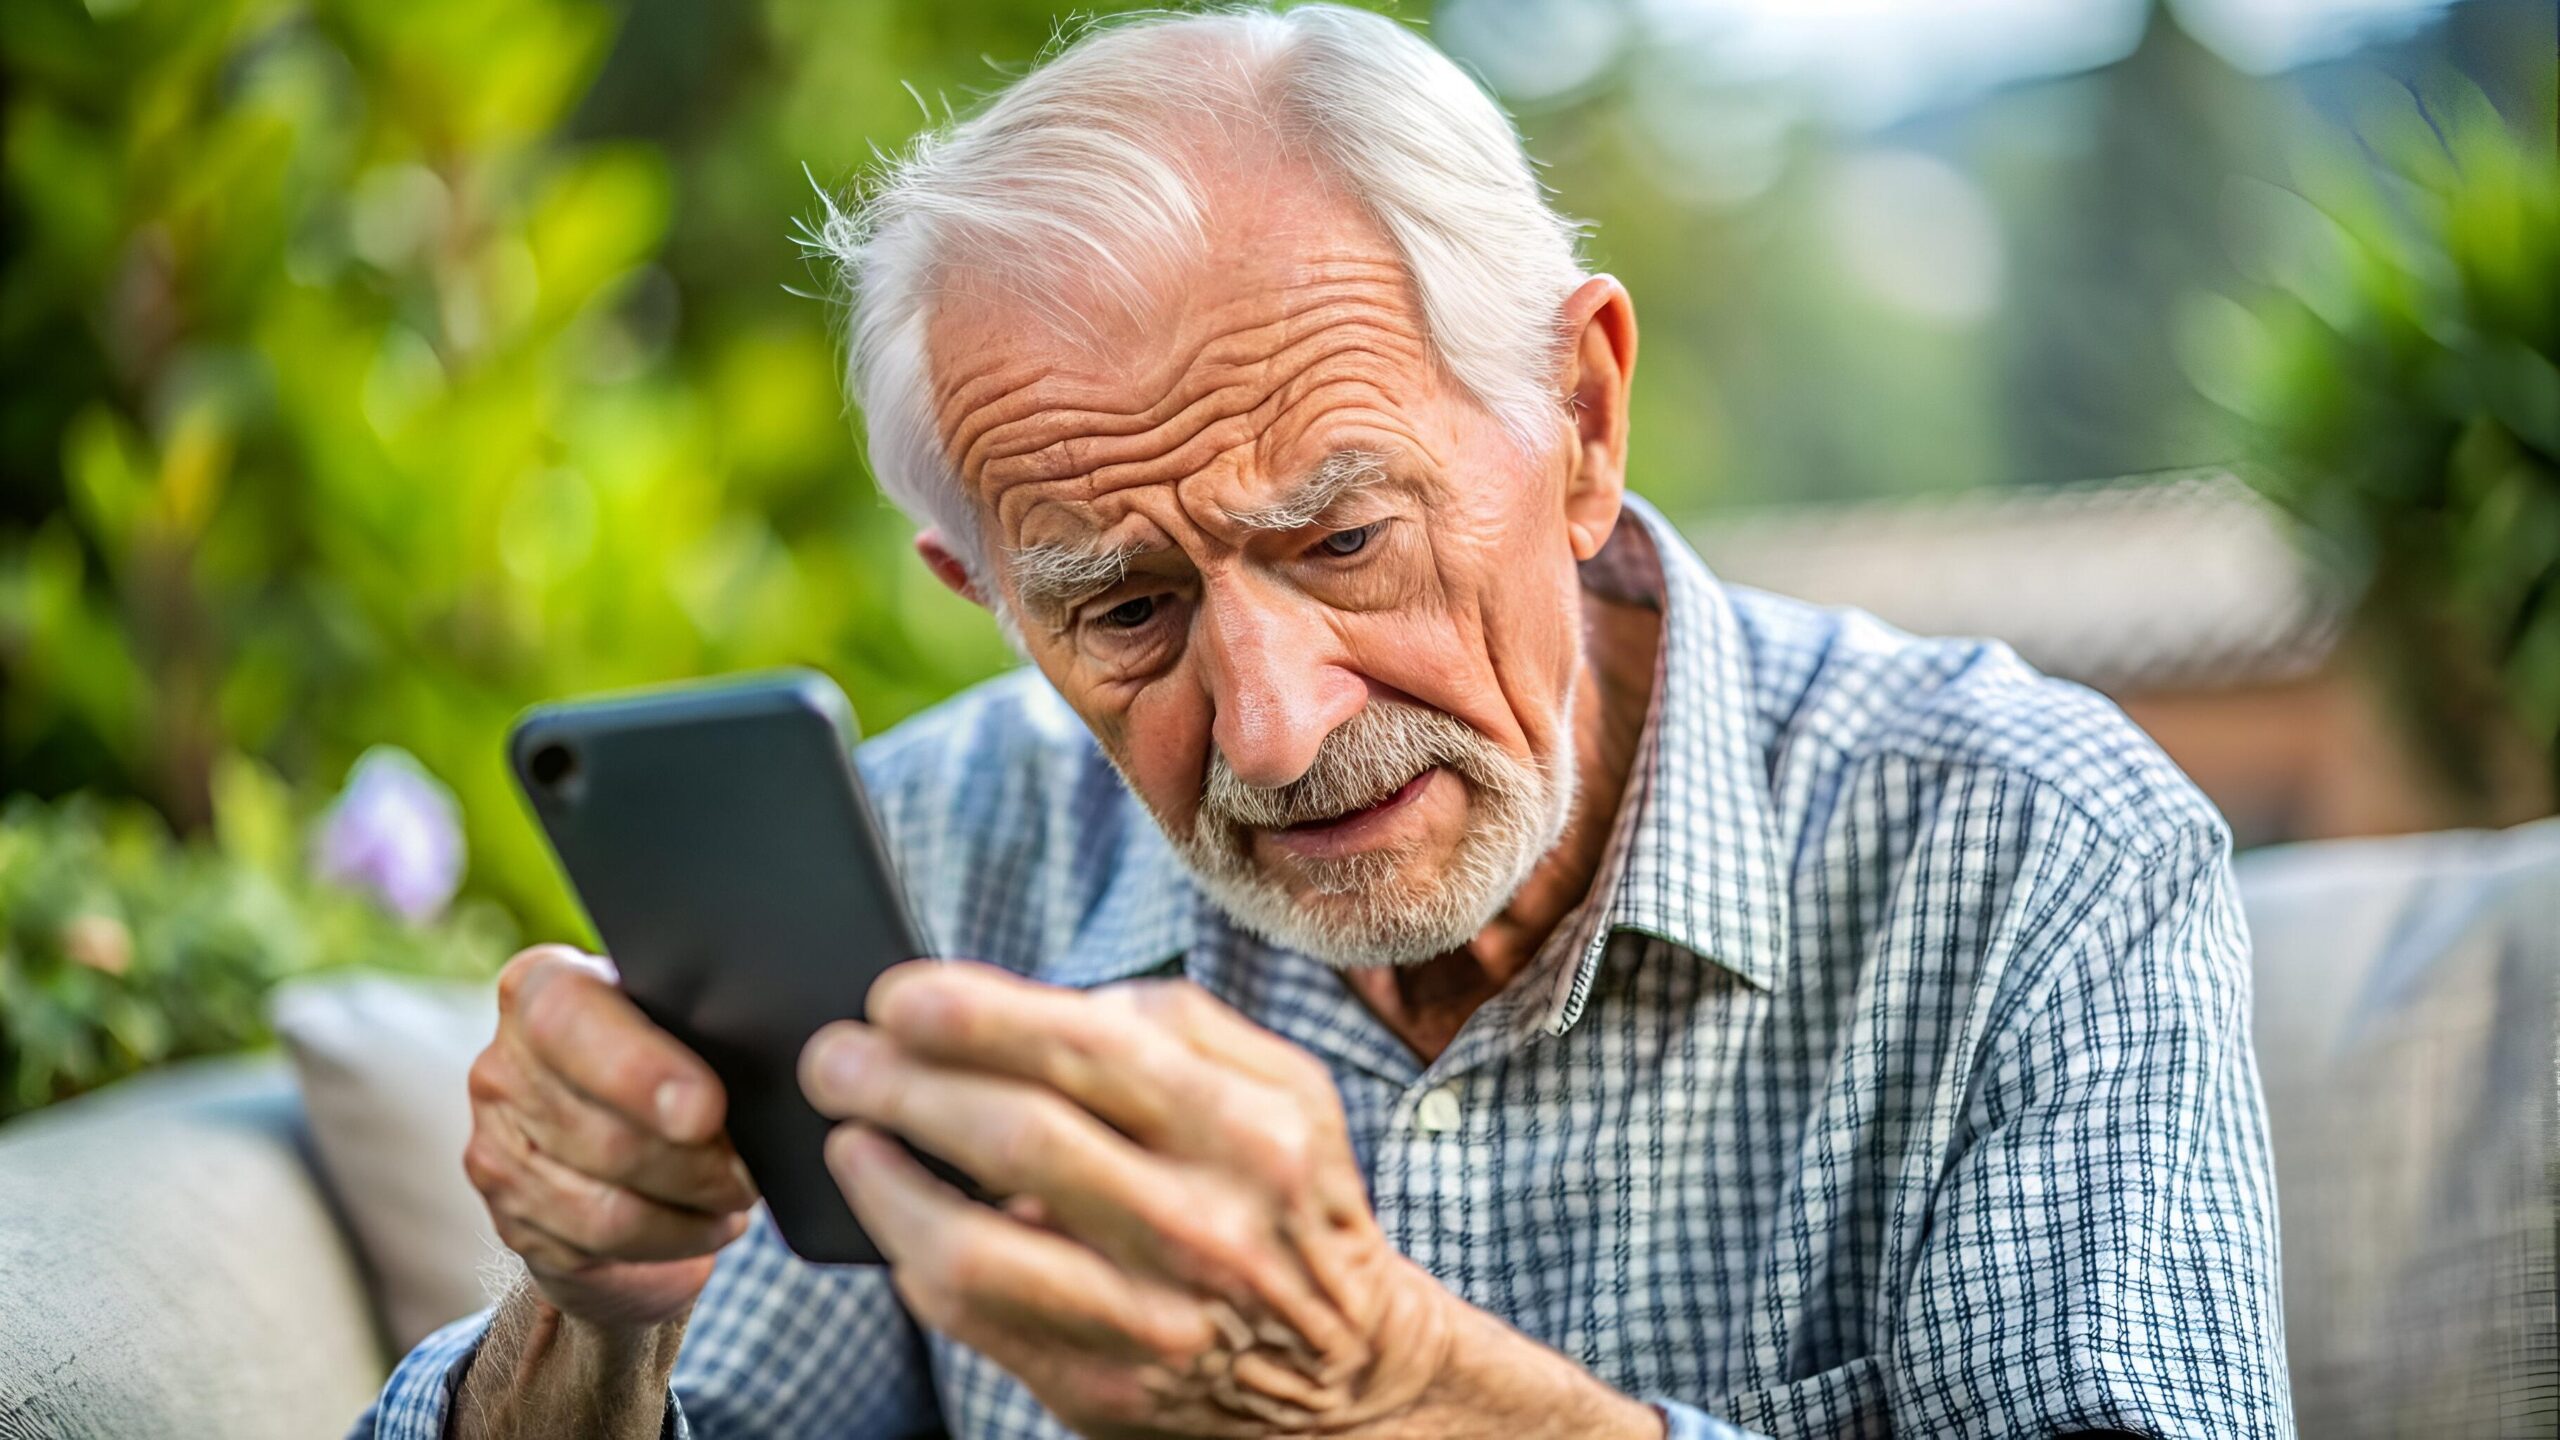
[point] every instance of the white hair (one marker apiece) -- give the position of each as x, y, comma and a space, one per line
1076, 171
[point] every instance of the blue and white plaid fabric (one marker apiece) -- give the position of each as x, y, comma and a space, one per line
1894, 1078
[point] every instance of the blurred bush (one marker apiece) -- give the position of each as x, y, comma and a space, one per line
369, 369
346, 400
2401, 363
122, 946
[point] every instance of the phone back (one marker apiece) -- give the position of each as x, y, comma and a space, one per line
720, 841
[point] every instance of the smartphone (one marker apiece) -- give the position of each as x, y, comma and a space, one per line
718, 836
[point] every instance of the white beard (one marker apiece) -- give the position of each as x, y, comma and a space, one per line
1370, 910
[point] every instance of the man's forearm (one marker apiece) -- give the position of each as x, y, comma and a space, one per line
540, 1373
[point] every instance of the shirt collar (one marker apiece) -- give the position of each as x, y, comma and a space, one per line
1695, 860
1149, 916
1697, 857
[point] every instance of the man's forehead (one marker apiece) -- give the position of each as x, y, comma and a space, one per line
1038, 380
1249, 409
1293, 493
1020, 398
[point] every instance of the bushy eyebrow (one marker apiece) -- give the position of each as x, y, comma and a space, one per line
1337, 477
1053, 576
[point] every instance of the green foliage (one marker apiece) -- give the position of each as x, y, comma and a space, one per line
2403, 366
122, 947
348, 401
372, 368
368, 370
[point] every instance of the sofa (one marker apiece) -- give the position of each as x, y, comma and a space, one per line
214, 1250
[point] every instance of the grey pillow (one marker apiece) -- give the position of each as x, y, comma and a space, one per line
2405, 997
383, 1062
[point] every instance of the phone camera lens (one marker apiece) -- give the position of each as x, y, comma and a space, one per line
552, 765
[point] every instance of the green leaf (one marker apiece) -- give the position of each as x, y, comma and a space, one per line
253, 814
108, 468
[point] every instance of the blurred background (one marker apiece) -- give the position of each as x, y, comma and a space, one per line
370, 369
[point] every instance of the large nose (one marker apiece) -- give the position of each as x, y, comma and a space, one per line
1277, 681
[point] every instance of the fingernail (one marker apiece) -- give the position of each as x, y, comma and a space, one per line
675, 1110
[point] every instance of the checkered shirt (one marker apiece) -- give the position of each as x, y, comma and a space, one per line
1893, 1078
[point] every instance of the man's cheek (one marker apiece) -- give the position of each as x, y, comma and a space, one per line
1160, 741
1458, 661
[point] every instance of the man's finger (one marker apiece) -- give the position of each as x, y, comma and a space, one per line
583, 1029
612, 1223
596, 1219
1188, 1224
1012, 1135
1130, 1061
1016, 1137
596, 1141
1112, 1061
1215, 1031
997, 1285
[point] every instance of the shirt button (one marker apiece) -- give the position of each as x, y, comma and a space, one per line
1438, 1113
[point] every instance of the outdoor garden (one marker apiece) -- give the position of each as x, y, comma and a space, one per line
370, 370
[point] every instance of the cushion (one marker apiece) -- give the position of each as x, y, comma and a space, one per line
169, 1266
2405, 994
384, 1062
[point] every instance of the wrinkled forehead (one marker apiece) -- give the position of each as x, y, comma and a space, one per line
1297, 311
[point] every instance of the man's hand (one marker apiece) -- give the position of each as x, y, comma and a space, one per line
597, 1142
1187, 1248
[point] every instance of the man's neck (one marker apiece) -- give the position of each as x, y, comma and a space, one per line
1426, 1004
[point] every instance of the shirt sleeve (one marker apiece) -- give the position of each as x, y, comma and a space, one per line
1688, 1422
2103, 1247
777, 1347
414, 1402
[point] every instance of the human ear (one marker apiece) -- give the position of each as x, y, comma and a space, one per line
948, 567
1599, 325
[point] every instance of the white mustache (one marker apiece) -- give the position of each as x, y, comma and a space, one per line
1374, 907
1366, 759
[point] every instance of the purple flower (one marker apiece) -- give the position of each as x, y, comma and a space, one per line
395, 833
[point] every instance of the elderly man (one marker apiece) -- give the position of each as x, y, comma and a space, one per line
1512, 984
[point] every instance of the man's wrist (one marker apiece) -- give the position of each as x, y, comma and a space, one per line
1497, 1381
610, 1349
538, 1363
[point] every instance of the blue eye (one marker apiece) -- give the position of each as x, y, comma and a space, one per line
1344, 543
1130, 614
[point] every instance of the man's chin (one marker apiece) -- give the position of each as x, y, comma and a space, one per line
1422, 882
1365, 911
1381, 876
